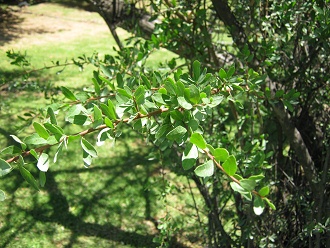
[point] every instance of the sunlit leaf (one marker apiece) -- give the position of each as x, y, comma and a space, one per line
205, 170
271, 205
198, 140
230, 165
189, 156
88, 147
264, 191
248, 184
2, 196
221, 154
5, 167
258, 205
183, 103
43, 162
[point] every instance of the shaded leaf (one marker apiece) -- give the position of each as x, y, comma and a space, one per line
28, 177
196, 69
23, 145
68, 93
177, 133
52, 116
11, 150
42, 178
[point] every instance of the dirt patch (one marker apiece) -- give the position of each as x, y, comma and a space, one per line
44, 23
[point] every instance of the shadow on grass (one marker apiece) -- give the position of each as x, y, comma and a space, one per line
115, 212
85, 5
10, 21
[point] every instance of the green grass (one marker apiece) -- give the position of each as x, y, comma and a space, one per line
109, 204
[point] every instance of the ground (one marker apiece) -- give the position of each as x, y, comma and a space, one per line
29, 25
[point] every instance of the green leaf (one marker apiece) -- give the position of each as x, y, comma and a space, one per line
220, 154
35, 139
230, 165
189, 156
257, 178
88, 159
248, 184
97, 113
68, 93
108, 122
139, 95
161, 131
215, 101
88, 147
194, 95
236, 187
279, 93
42, 178
177, 133
196, 69
231, 71
222, 74
81, 120
10, 150
146, 81
41, 130
58, 151
180, 88
2, 195
183, 103
96, 86
205, 170
258, 206
52, 116
34, 154
43, 162
120, 80
109, 110
23, 145
264, 191
53, 128
28, 177
170, 86
5, 167
271, 205
198, 140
